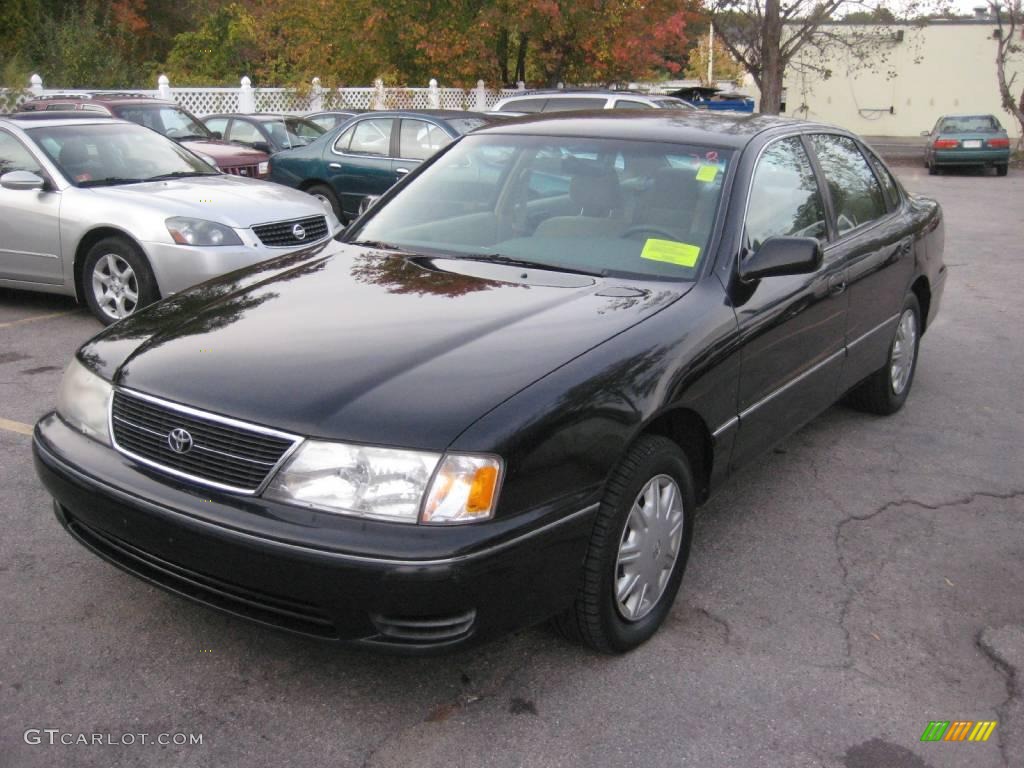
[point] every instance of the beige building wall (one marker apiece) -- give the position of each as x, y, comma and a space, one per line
942, 68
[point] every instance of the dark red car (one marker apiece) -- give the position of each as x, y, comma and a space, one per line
164, 117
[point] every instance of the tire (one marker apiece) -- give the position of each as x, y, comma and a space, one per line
326, 193
1002, 169
883, 393
932, 170
117, 280
597, 617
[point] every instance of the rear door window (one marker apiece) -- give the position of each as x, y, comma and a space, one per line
14, 156
419, 140
889, 188
524, 105
857, 197
372, 137
631, 104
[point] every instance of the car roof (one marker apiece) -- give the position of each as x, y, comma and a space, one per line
103, 98
78, 116
52, 121
584, 92
730, 129
259, 117
969, 114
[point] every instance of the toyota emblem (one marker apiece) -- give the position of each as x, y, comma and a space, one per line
179, 440
298, 232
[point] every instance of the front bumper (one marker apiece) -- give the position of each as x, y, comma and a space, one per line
177, 267
235, 555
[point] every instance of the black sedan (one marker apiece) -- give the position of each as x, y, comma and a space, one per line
265, 132
365, 155
502, 395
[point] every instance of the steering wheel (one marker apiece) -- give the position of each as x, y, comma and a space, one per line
651, 230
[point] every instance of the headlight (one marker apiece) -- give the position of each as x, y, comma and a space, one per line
83, 400
263, 168
388, 484
187, 231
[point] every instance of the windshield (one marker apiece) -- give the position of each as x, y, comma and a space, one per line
590, 205
978, 124
173, 122
115, 153
293, 132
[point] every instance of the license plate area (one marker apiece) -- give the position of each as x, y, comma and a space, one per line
972, 144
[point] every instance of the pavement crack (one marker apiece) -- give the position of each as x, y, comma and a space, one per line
718, 621
1013, 692
847, 600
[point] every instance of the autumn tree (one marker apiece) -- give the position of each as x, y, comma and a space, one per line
1009, 18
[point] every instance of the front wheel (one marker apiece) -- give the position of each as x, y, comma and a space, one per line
117, 280
885, 391
638, 549
325, 193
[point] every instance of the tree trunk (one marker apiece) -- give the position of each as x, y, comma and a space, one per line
524, 40
502, 52
772, 66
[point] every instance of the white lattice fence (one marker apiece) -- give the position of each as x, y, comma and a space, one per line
207, 101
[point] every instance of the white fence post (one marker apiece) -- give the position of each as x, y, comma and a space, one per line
246, 97
379, 96
520, 86
163, 86
35, 84
480, 97
316, 97
434, 95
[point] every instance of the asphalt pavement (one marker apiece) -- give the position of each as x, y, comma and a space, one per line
863, 580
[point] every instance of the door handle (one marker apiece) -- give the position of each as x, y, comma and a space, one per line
837, 284
335, 166
401, 171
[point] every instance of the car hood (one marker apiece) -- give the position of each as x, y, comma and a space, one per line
237, 202
225, 153
365, 345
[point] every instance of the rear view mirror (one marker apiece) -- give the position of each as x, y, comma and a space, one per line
782, 256
21, 180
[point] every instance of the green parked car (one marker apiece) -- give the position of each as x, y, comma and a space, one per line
967, 140
365, 155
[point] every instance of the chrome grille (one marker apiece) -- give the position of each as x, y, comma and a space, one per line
222, 452
252, 171
282, 233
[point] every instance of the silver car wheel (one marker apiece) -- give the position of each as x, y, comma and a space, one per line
904, 349
649, 547
115, 286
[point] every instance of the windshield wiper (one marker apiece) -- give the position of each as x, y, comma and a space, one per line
178, 175
192, 137
497, 258
109, 181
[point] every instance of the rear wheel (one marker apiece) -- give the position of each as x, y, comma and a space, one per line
933, 169
117, 280
325, 193
885, 391
638, 549
1002, 169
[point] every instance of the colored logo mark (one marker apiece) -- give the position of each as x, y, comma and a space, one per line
958, 730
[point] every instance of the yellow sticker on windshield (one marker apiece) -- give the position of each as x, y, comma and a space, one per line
707, 173
671, 252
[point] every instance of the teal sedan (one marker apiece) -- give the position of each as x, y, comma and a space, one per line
368, 153
967, 140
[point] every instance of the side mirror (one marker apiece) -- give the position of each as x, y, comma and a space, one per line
22, 180
217, 134
782, 256
262, 146
926, 133
367, 203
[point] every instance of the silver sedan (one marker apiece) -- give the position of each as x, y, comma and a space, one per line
119, 216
